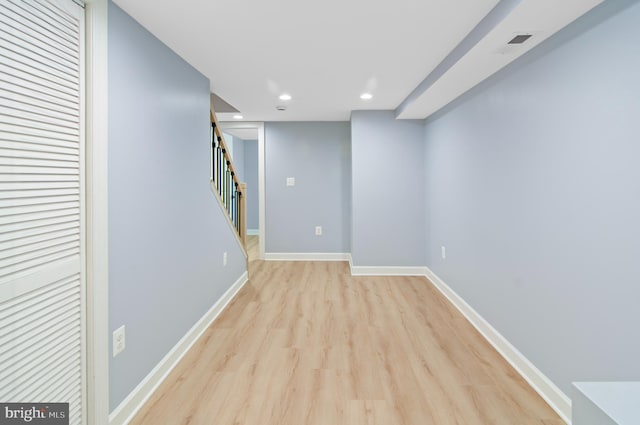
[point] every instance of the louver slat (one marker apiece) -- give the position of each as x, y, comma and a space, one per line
41, 211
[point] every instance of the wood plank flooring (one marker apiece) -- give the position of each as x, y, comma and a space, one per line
305, 343
253, 248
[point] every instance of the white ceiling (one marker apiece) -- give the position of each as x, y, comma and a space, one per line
538, 18
326, 53
241, 133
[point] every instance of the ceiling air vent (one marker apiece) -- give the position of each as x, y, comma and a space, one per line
281, 108
519, 39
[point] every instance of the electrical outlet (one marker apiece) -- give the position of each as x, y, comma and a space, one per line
118, 341
318, 230
291, 181
224, 259
443, 251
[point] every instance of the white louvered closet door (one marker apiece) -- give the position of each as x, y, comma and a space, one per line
42, 290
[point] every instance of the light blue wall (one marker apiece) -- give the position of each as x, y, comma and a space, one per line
228, 140
317, 154
238, 157
533, 186
167, 233
251, 178
388, 181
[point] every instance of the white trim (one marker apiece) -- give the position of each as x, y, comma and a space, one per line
306, 256
385, 270
253, 232
261, 176
130, 406
538, 381
262, 191
84, 311
97, 218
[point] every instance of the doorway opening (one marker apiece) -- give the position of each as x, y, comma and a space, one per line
246, 143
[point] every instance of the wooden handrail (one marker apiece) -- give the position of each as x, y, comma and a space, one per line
220, 137
233, 197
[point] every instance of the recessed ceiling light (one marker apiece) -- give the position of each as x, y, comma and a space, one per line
366, 96
285, 97
237, 117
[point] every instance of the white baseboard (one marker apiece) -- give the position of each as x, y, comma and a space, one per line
306, 256
253, 232
538, 381
125, 412
385, 271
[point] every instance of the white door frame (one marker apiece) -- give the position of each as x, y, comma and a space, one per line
261, 174
97, 233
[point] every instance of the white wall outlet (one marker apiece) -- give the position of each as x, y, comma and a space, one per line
118, 341
291, 181
443, 252
318, 230
224, 259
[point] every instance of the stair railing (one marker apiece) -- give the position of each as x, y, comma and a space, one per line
226, 182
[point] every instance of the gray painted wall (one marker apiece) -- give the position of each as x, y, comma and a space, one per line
167, 233
388, 181
251, 178
533, 186
317, 154
238, 157
228, 140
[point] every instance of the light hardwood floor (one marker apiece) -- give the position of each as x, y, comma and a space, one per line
305, 343
253, 248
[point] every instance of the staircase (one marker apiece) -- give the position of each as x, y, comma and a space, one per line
225, 183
